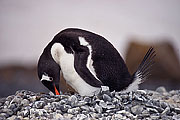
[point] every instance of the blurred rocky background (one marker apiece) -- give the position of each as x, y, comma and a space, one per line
131, 26
166, 70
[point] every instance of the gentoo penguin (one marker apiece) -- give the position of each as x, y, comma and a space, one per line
88, 61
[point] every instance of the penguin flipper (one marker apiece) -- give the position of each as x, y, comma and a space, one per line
80, 64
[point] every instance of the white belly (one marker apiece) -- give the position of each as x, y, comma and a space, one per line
66, 62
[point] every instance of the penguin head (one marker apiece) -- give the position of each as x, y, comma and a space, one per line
48, 81
49, 72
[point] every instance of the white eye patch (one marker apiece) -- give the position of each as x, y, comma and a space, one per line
46, 77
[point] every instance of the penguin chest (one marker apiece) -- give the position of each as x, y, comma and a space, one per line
66, 62
73, 78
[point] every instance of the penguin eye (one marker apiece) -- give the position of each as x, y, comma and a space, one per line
50, 78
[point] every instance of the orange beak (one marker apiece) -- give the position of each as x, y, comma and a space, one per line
56, 91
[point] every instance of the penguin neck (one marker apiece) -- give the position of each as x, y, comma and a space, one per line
57, 50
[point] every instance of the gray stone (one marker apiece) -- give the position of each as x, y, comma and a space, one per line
127, 108
154, 117
98, 108
95, 115
33, 98
107, 98
4, 115
47, 107
81, 117
58, 116
177, 110
11, 118
75, 110
145, 113
17, 108
85, 108
92, 109
163, 105
176, 117
118, 96
9, 98
110, 105
62, 102
137, 109
138, 97
159, 109
64, 108
166, 111
72, 99
161, 89
152, 110
20, 113
9, 112
6, 103
102, 104
25, 102
26, 113
87, 99
68, 116
81, 103
12, 106
52, 100
16, 99
117, 116
115, 100
39, 104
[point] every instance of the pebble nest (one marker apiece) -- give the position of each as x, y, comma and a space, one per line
141, 104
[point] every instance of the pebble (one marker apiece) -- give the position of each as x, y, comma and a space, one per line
81, 117
73, 100
137, 109
33, 98
166, 111
152, 110
85, 108
176, 117
98, 108
103, 104
106, 98
177, 110
25, 102
110, 105
161, 89
17, 99
39, 104
145, 113
142, 104
154, 117
48, 107
74, 110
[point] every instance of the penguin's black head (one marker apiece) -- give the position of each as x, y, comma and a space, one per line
49, 72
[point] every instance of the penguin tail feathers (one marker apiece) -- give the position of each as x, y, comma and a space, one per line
143, 70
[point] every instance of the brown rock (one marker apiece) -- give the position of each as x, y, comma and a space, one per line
166, 70
17, 77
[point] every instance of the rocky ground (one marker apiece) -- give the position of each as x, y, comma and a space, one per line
142, 105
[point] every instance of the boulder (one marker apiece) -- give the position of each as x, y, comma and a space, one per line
165, 71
